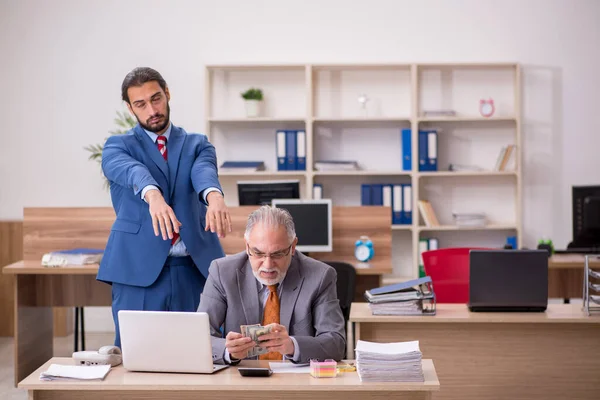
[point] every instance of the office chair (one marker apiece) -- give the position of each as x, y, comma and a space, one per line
449, 272
346, 285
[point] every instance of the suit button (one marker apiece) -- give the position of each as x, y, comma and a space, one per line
135, 187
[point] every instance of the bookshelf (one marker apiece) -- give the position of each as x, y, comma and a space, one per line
322, 100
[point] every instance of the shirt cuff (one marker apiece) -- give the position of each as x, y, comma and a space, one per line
146, 188
296, 356
227, 357
207, 191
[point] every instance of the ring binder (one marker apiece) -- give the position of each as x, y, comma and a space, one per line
591, 283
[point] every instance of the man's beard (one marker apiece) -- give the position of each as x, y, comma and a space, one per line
280, 277
156, 128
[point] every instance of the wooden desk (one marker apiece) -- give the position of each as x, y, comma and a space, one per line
37, 289
565, 275
226, 384
552, 355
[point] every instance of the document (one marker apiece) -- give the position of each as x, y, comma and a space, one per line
57, 372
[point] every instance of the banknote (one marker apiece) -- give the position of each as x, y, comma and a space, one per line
244, 329
254, 332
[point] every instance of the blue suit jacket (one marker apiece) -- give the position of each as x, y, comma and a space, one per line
133, 254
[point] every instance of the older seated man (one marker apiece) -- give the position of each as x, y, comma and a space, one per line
273, 284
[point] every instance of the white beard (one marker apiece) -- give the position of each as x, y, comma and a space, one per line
278, 279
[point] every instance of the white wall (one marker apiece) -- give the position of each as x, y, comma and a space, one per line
62, 63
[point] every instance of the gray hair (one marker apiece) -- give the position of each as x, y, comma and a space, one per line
273, 217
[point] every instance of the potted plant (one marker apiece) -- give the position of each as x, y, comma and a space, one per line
253, 99
125, 122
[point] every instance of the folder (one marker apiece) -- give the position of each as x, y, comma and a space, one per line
365, 195
280, 148
377, 194
406, 204
423, 165
397, 217
406, 149
410, 290
290, 149
301, 150
432, 151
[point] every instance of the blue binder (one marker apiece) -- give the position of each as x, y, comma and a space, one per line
423, 164
290, 150
301, 150
407, 205
377, 194
432, 147
406, 149
280, 150
365, 195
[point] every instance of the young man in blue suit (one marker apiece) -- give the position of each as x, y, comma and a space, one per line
169, 206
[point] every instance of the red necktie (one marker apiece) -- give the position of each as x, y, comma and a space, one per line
271, 315
161, 141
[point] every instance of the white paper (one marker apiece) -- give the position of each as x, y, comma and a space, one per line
388, 348
289, 368
75, 372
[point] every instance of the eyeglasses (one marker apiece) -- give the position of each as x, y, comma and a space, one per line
278, 255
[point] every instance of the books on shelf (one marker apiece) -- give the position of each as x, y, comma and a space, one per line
389, 362
78, 256
290, 148
506, 158
333, 165
242, 166
428, 214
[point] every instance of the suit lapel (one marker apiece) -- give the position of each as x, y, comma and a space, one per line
174, 146
248, 293
151, 149
289, 293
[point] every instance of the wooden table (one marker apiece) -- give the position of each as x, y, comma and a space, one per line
226, 384
36, 290
551, 355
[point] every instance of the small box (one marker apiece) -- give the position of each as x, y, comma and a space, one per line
323, 369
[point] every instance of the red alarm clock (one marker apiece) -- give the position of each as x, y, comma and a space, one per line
486, 107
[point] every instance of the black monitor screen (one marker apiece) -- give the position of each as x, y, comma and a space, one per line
313, 224
258, 193
586, 217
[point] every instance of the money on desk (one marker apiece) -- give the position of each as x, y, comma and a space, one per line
254, 332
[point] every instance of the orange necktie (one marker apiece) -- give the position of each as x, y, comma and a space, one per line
271, 315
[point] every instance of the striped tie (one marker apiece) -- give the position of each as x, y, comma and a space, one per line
271, 315
161, 141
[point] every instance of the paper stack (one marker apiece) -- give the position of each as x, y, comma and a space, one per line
57, 372
469, 219
389, 362
77, 256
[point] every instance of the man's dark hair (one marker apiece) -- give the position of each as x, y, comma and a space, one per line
138, 77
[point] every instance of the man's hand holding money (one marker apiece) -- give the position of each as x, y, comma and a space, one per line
238, 345
277, 340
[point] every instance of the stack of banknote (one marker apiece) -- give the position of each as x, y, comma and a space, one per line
254, 332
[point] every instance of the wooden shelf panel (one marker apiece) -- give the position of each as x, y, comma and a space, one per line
362, 119
263, 173
442, 174
467, 119
258, 119
466, 228
362, 173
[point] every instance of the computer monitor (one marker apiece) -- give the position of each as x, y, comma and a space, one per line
586, 218
258, 193
312, 219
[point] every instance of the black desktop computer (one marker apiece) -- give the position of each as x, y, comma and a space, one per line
258, 193
586, 220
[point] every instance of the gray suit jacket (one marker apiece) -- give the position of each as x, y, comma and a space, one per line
309, 307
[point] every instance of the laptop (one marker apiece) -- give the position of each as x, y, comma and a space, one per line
166, 341
508, 280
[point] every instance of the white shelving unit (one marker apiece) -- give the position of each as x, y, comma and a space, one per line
322, 100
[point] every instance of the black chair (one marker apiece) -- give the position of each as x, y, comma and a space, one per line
346, 285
